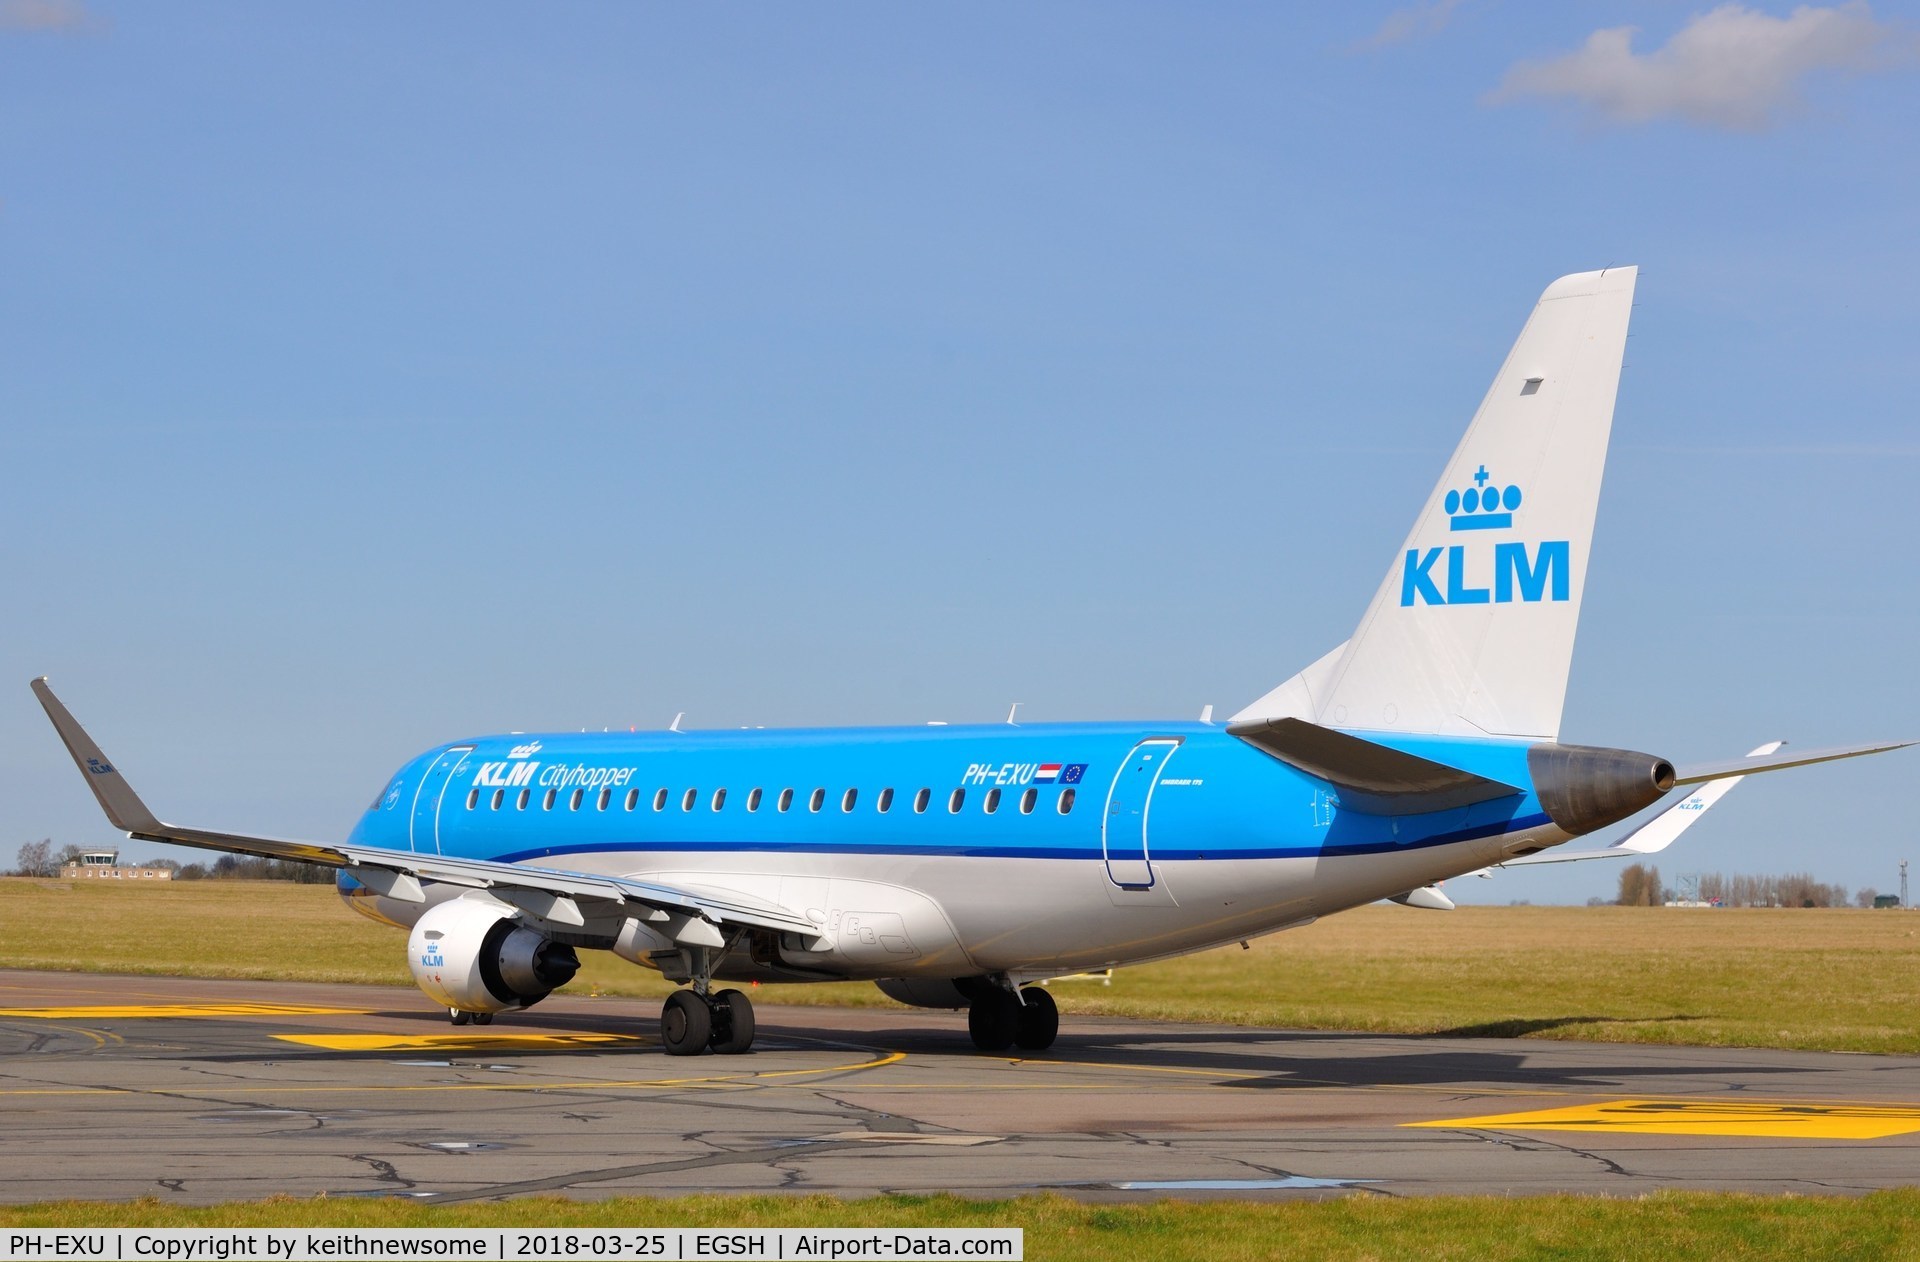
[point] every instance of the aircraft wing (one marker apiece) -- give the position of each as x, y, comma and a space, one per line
1663, 829
553, 894
1698, 773
1372, 778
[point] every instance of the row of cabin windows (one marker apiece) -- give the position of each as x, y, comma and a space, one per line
816, 801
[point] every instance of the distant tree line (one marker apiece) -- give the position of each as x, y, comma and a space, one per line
1640, 886
39, 858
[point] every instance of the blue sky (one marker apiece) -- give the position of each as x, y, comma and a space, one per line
372, 376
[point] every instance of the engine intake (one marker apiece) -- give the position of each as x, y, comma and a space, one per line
1584, 787
473, 955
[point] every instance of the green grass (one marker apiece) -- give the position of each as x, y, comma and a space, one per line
1840, 980
1694, 1225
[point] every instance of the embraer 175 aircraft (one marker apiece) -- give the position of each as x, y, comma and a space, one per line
955, 865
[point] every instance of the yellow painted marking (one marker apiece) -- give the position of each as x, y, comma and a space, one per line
503, 1041
1760, 1119
112, 1011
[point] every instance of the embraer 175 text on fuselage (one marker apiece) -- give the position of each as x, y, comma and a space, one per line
954, 865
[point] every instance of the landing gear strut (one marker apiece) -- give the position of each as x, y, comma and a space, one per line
460, 1016
696, 1019
999, 1019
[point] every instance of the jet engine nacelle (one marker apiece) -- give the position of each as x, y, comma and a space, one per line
473, 955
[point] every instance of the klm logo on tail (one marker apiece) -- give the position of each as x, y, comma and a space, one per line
1477, 575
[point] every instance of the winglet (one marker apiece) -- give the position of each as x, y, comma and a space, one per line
117, 798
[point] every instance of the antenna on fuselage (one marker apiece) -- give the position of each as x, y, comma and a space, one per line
1013, 710
675, 725
1206, 714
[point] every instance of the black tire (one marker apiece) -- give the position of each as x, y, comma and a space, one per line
732, 1023
685, 1024
483, 1018
1039, 1021
993, 1020
459, 1016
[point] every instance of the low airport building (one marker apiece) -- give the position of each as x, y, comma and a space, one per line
106, 865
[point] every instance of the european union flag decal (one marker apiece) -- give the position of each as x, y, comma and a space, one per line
1071, 773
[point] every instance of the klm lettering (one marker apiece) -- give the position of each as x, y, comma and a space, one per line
1544, 575
502, 775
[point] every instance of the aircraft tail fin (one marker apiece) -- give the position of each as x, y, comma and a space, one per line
1471, 632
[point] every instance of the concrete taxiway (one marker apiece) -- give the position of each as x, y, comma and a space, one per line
196, 1091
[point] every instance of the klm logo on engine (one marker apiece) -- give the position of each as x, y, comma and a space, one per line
1475, 574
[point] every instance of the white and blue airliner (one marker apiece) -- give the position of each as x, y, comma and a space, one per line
956, 865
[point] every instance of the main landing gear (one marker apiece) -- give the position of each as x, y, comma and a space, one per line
692, 1022
1000, 1018
460, 1016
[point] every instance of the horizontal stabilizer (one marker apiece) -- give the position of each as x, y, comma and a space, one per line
1372, 778
1699, 773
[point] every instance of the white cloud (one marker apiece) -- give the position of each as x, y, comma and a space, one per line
1422, 18
46, 15
1731, 67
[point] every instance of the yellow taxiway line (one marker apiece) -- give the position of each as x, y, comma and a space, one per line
1770, 1119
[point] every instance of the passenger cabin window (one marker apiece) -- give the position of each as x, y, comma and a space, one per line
660, 800
606, 796
885, 803
1027, 800
847, 800
473, 798
499, 796
818, 800
753, 800
920, 801
573, 800
993, 801
956, 801
1066, 800
786, 799
687, 801
546, 803
719, 798
521, 802
633, 798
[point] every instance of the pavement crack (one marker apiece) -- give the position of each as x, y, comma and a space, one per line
383, 1171
874, 1119
746, 1156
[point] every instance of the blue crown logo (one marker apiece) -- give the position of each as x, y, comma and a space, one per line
1482, 507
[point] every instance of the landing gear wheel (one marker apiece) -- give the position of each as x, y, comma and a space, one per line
686, 1023
993, 1020
1039, 1020
483, 1018
732, 1023
458, 1016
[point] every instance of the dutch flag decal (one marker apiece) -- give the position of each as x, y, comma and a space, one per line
1048, 773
